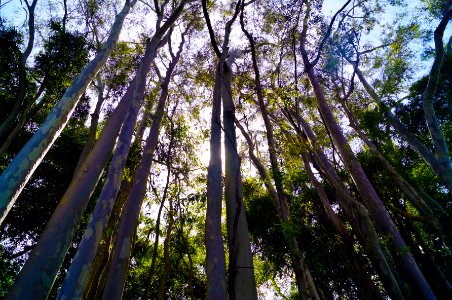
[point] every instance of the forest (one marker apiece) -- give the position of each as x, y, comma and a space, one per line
229, 149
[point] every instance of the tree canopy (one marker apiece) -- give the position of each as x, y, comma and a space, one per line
182, 149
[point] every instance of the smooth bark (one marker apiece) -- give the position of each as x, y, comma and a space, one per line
20, 169
59, 230
370, 197
215, 257
439, 142
120, 261
242, 284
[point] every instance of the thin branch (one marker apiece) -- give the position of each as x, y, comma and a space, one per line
209, 27
327, 35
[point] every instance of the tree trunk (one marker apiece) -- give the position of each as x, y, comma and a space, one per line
413, 196
166, 258
242, 284
439, 143
20, 169
120, 262
373, 202
148, 282
298, 265
90, 140
357, 214
58, 233
77, 276
444, 175
302, 276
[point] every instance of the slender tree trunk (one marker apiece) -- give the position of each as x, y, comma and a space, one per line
120, 262
78, 273
303, 278
441, 171
373, 202
282, 209
414, 197
363, 277
93, 126
22, 88
111, 233
439, 143
20, 169
77, 276
59, 231
166, 258
215, 257
242, 284
148, 282
357, 215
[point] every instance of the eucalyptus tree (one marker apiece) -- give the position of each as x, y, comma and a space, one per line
241, 278
439, 159
120, 261
370, 197
68, 213
20, 169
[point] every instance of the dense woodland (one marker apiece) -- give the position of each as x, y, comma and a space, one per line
235, 149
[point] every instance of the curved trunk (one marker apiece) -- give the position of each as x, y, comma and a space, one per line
357, 214
439, 143
414, 197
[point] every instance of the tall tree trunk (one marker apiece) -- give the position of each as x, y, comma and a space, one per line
441, 171
242, 284
439, 143
111, 233
77, 276
302, 274
59, 230
90, 140
215, 258
20, 169
298, 264
413, 196
373, 202
166, 254
356, 213
120, 262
